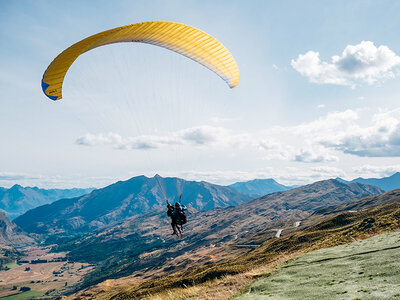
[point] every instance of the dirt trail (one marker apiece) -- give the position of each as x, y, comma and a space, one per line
278, 234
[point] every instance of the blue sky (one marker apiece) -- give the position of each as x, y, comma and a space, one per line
298, 115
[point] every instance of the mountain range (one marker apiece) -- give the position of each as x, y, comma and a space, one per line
386, 183
17, 200
116, 202
259, 187
119, 250
363, 203
123, 230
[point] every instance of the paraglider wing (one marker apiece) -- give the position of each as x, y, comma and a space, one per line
186, 40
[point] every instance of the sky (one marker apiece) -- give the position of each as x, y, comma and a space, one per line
317, 98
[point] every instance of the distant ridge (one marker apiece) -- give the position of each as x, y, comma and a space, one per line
106, 206
18, 199
259, 187
111, 248
385, 183
390, 197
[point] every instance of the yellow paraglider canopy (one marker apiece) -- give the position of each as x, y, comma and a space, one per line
181, 38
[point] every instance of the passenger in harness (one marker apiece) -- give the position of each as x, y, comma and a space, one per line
178, 216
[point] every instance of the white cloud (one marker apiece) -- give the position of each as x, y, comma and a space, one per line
329, 124
336, 131
376, 171
199, 136
99, 139
274, 150
143, 142
54, 181
7, 176
307, 154
203, 135
361, 63
320, 105
380, 139
210, 136
314, 155
317, 141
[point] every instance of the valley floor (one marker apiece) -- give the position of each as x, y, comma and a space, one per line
50, 277
368, 269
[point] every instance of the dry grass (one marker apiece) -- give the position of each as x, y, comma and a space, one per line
231, 277
223, 288
234, 274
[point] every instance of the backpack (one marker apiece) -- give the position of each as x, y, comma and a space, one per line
169, 212
180, 215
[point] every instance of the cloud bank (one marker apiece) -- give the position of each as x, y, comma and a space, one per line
380, 139
338, 132
198, 136
317, 141
376, 171
358, 64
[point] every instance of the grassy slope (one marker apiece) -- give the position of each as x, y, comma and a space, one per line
367, 269
198, 281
